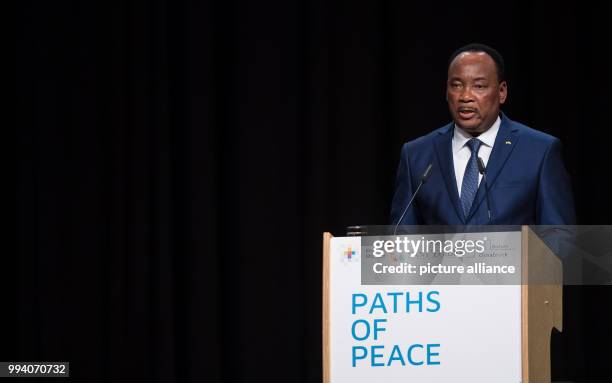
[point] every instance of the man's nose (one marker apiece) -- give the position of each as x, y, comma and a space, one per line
466, 95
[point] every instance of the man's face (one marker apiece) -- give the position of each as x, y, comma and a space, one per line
473, 92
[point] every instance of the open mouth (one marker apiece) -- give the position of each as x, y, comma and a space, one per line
467, 113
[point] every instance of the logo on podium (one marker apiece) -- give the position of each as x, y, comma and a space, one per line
350, 254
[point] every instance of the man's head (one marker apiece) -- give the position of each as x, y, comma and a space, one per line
476, 87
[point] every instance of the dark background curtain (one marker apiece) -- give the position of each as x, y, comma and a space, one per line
177, 163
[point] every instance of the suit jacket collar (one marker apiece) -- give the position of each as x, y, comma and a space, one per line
506, 140
444, 151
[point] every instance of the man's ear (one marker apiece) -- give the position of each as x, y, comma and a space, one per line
503, 92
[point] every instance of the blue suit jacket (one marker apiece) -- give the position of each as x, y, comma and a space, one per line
526, 179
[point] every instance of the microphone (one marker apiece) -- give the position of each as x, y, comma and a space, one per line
483, 170
424, 179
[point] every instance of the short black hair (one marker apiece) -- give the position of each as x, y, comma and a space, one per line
495, 55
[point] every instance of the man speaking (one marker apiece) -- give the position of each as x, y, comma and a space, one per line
482, 168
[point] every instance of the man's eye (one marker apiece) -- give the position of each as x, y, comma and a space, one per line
456, 85
479, 86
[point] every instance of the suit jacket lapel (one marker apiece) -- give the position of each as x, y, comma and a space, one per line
444, 150
506, 140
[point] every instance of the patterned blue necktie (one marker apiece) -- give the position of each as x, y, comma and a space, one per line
470, 177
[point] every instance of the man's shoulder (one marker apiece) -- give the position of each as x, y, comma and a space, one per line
532, 135
426, 140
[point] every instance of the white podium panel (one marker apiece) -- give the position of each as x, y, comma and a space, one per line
419, 333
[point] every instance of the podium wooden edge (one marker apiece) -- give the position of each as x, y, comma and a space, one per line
541, 305
326, 352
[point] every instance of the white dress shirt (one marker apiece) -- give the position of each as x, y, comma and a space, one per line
462, 153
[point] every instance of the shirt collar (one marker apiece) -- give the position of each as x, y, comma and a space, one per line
460, 137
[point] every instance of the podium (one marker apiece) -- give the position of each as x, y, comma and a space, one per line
439, 333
